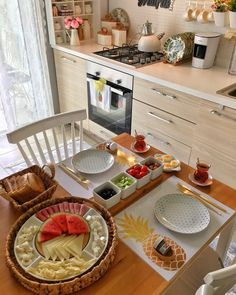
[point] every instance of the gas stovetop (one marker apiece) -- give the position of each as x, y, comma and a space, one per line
130, 55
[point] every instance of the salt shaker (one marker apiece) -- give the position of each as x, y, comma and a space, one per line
112, 146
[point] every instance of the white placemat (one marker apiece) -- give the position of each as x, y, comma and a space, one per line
191, 243
75, 189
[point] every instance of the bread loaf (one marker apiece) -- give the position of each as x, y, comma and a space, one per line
25, 187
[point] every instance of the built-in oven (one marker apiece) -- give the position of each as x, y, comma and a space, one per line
109, 98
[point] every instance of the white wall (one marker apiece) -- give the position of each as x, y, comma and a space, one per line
170, 22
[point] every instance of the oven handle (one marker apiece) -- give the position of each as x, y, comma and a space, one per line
117, 91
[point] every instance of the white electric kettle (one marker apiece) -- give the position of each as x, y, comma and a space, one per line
149, 42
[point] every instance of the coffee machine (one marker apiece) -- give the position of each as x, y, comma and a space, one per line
205, 47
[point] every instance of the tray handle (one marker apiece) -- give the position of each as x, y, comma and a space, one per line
51, 168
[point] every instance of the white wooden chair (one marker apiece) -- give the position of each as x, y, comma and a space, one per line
35, 138
205, 276
218, 282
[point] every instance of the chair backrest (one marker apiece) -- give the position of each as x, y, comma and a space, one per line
218, 282
37, 138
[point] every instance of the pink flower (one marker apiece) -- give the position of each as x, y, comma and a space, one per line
68, 24
74, 24
79, 20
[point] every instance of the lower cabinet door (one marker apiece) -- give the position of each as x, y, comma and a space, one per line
165, 143
100, 131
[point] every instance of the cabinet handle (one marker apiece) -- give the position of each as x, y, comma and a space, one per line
161, 140
214, 112
68, 59
164, 94
159, 118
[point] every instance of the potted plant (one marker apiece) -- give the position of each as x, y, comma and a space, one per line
73, 23
220, 7
232, 13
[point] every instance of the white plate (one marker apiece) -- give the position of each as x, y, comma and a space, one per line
206, 183
181, 214
120, 15
93, 161
140, 152
178, 168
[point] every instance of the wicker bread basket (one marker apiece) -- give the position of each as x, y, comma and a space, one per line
71, 285
48, 181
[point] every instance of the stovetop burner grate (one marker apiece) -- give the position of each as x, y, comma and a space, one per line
130, 55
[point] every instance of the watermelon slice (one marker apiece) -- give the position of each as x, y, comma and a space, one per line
41, 216
51, 227
83, 209
61, 207
55, 208
71, 207
66, 206
43, 237
76, 225
77, 208
60, 219
50, 210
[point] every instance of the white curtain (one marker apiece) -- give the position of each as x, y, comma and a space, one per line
25, 92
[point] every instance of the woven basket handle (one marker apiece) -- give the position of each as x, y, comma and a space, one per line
51, 168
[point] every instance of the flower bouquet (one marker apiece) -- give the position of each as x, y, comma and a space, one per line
73, 23
232, 13
220, 7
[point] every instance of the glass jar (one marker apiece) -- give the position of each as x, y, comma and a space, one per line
77, 9
88, 8
201, 173
57, 26
140, 144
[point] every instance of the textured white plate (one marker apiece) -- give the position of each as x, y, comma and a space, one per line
206, 183
181, 214
92, 161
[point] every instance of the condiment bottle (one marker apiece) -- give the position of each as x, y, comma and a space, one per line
87, 30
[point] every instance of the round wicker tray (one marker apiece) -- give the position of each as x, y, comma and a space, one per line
71, 285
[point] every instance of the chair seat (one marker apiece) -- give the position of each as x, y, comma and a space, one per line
192, 278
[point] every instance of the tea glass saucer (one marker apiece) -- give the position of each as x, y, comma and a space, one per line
208, 182
147, 148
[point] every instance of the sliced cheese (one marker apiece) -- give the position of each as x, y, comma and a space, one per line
75, 246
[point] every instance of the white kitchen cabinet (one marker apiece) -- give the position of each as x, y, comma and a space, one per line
167, 99
167, 117
100, 131
214, 141
71, 81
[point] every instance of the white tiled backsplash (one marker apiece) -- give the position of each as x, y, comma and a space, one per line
170, 22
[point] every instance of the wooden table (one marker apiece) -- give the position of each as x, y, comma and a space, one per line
129, 274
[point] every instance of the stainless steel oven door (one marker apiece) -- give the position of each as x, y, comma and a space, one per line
109, 105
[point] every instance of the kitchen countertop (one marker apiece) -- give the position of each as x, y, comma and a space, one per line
202, 83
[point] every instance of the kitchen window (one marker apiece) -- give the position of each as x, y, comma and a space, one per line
25, 92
